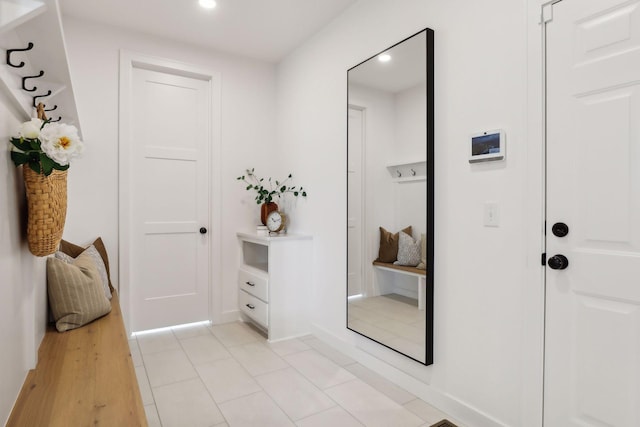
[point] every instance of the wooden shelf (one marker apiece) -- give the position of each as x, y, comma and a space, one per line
14, 13
409, 171
36, 22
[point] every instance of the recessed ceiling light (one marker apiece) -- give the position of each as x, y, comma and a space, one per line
207, 4
384, 57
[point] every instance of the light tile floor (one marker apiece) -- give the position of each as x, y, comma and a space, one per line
229, 375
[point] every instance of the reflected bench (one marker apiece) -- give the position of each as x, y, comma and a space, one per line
420, 274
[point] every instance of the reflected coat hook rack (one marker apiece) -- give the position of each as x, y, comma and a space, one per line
57, 120
40, 96
24, 80
10, 51
51, 109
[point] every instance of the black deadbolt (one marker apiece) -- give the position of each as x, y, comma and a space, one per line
558, 262
203, 230
560, 229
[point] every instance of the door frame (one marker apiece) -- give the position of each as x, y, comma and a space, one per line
364, 253
128, 61
534, 293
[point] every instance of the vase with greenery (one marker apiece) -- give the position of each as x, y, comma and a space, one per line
45, 150
269, 190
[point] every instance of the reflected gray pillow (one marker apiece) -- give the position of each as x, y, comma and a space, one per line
409, 250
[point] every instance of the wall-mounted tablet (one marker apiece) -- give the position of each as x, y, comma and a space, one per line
488, 145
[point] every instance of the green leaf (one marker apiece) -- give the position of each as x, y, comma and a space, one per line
20, 144
34, 156
35, 166
249, 187
35, 144
47, 164
295, 193
283, 188
19, 158
58, 166
304, 194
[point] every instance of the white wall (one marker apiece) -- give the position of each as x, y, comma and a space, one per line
482, 275
247, 136
23, 293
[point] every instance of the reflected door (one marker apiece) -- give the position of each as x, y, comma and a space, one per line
354, 217
592, 345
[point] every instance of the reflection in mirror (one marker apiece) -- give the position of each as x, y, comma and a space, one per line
390, 198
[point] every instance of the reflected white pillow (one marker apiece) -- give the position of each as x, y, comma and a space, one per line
423, 259
409, 250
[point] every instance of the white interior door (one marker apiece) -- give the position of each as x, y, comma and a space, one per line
354, 204
592, 343
170, 199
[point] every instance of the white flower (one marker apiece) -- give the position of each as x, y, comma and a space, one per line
30, 129
61, 142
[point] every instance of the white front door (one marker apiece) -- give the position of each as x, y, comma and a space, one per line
355, 175
170, 199
592, 325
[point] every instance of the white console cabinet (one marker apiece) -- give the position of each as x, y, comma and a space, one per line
274, 282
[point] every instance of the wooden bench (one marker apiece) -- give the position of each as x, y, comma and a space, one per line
84, 377
409, 271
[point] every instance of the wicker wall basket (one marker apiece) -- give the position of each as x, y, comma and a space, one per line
47, 209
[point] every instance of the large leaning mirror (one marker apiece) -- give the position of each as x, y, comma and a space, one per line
390, 198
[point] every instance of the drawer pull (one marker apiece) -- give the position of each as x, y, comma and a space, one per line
250, 284
251, 306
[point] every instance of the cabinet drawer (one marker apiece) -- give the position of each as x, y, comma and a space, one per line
254, 283
254, 308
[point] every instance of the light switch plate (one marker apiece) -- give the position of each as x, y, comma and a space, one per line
491, 215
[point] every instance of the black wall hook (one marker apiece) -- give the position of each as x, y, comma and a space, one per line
10, 51
40, 96
24, 79
57, 120
51, 109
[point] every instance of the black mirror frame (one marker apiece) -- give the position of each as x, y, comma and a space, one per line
429, 120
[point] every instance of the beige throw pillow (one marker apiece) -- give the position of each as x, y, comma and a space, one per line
75, 292
74, 250
423, 258
99, 263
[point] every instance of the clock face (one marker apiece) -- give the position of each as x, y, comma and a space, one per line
274, 221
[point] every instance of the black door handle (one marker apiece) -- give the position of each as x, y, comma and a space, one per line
203, 230
558, 262
560, 229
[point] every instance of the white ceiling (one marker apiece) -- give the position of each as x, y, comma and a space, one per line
261, 29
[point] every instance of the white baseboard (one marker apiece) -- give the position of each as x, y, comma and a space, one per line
229, 316
457, 409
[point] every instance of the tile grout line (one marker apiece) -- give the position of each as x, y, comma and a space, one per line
144, 366
210, 332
